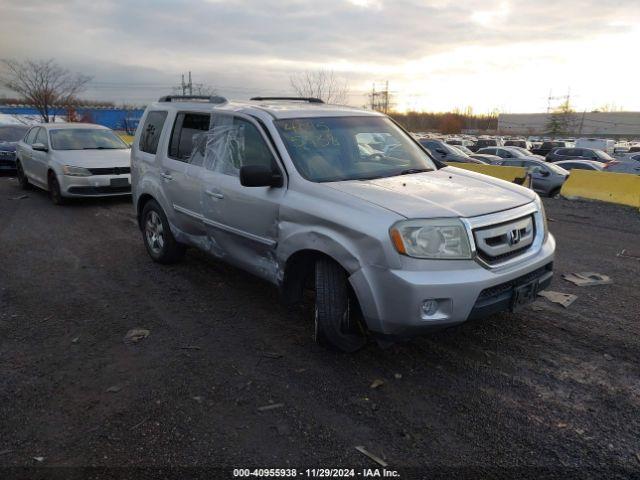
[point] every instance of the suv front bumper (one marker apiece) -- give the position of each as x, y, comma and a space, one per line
392, 300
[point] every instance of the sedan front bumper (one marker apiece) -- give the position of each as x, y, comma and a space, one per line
95, 185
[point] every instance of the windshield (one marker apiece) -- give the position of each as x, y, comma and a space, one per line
458, 150
603, 155
12, 134
330, 149
524, 151
85, 139
556, 168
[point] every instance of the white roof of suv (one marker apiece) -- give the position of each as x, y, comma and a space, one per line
277, 109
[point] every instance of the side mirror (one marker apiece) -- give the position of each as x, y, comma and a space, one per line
259, 176
40, 147
544, 173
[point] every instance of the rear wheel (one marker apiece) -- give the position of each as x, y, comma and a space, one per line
54, 190
160, 242
22, 177
554, 193
337, 325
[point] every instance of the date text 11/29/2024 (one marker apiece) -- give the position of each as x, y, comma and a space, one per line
316, 473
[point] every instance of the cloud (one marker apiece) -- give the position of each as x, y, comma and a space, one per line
248, 46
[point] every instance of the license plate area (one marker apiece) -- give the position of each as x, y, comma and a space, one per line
119, 182
524, 294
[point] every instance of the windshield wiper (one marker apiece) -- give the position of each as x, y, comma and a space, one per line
409, 171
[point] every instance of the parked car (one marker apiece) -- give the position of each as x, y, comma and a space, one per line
628, 164
74, 160
578, 154
580, 165
459, 142
392, 246
547, 178
605, 144
485, 158
10, 135
485, 142
547, 147
509, 152
445, 152
526, 144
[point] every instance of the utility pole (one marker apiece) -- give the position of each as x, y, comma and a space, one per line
379, 100
186, 86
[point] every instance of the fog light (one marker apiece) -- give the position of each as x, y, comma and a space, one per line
429, 307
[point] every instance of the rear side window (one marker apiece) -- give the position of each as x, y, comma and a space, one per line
151, 131
187, 130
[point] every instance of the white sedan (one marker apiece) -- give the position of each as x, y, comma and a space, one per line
74, 160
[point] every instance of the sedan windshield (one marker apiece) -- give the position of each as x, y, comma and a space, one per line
12, 133
85, 139
330, 149
604, 156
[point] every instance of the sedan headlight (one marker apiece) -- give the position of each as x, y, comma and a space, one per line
75, 171
443, 238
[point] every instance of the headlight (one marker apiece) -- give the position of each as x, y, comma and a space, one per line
444, 238
543, 214
75, 171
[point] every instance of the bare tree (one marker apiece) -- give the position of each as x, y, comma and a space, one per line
320, 84
43, 83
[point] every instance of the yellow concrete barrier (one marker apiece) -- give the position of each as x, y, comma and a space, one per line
510, 174
125, 137
622, 188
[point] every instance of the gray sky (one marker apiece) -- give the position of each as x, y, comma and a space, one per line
437, 55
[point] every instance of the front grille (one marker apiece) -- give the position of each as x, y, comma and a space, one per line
98, 190
500, 242
508, 286
7, 163
110, 171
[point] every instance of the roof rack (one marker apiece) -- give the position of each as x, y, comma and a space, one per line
189, 98
299, 99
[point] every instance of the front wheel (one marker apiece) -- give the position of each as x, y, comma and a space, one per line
160, 242
22, 177
54, 190
336, 312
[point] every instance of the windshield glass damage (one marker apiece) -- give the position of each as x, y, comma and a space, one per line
329, 149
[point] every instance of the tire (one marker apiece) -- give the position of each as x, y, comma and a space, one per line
22, 177
54, 190
158, 239
554, 193
336, 322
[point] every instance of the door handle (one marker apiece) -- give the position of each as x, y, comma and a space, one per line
214, 194
166, 176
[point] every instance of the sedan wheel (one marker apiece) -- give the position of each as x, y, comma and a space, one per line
22, 177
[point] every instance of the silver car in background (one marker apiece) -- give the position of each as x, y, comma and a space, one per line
393, 244
74, 160
547, 178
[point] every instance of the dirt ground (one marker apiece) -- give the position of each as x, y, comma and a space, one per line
549, 391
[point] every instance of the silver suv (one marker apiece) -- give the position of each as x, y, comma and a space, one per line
293, 191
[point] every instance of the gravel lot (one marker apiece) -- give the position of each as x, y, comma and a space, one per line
553, 388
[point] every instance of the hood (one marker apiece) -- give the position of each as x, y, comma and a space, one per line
448, 192
94, 158
8, 146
